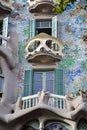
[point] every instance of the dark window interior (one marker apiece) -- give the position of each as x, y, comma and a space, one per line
44, 30
1, 27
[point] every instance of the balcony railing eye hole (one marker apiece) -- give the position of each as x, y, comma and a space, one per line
33, 45
52, 45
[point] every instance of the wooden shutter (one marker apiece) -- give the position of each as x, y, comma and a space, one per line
59, 83
32, 28
60, 29
28, 82
54, 26
5, 30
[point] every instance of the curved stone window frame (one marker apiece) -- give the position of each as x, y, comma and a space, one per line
48, 125
31, 125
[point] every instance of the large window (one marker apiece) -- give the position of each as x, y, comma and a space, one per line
49, 26
51, 81
43, 81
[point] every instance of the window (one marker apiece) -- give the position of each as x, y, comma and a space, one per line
51, 81
50, 26
57, 126
1, 82
43, 81
3, 30
82, 125
43, 26
39, 26
1, 27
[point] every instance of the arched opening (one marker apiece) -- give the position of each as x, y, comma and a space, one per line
31, 125
82, 124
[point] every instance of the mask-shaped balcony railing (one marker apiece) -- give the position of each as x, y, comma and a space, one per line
44, 49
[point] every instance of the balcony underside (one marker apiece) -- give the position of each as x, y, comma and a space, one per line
44, 58
42, 7
4, 11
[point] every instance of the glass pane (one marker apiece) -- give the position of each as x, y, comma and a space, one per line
37, 82
55, 126
49, 81
37, 87
37, 76
1, 83
43, 81
49, 86
44, 24
49, 75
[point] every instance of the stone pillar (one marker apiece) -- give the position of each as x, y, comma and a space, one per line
9, 64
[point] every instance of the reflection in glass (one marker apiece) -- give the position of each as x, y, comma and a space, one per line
55, 126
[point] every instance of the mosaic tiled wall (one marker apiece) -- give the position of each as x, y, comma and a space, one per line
73, 27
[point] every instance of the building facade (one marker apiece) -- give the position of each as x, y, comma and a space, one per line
43, 61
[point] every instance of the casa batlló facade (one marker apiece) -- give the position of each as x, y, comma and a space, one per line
43, 66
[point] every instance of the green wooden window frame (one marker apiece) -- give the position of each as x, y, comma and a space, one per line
58, 82
54, 26
45, 78
32, 28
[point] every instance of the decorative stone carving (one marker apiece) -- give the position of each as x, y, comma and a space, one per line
44, 49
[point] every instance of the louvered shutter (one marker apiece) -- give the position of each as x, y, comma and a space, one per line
54, 26
28, 82
32, 28
59, 82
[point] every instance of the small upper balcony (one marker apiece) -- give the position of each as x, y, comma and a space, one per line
41, 6
5, 8
44, 49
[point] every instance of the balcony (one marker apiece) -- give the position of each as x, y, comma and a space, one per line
52, 100
65, 106
44, 49
45, 104
41, 6
5, 8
